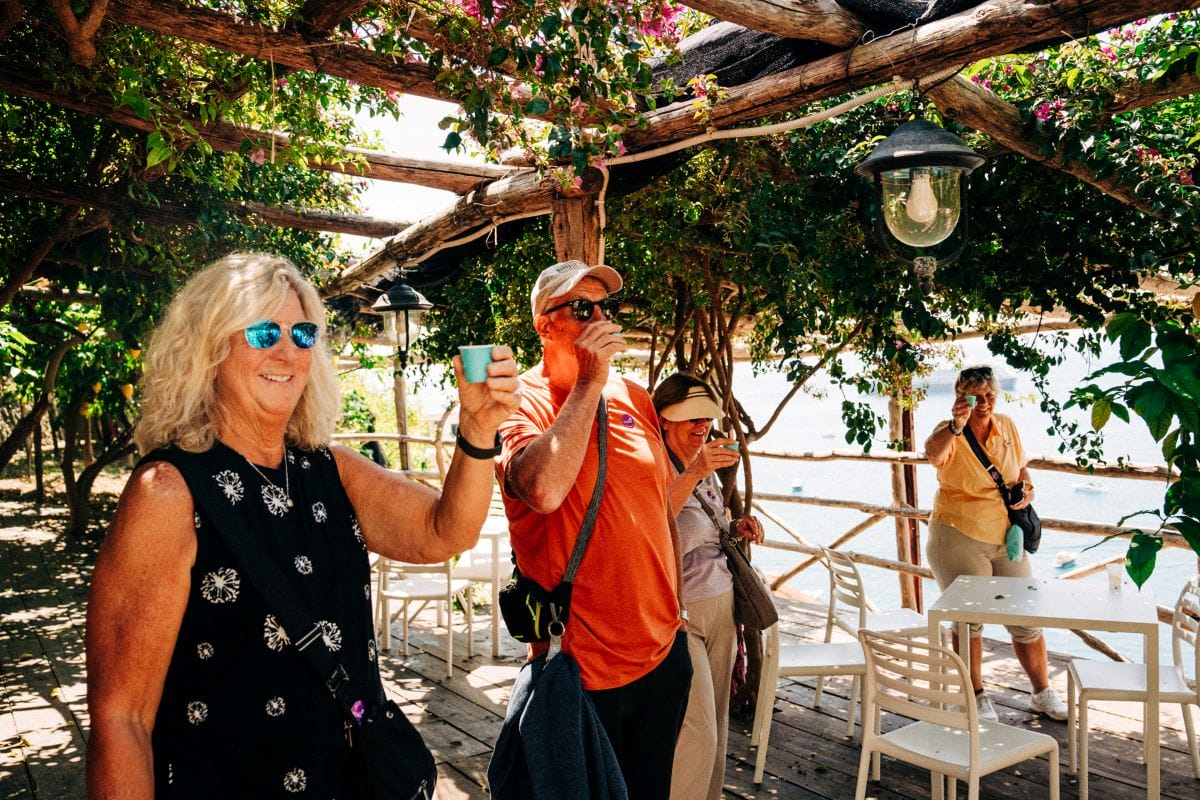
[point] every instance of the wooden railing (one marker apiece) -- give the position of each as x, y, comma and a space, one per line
877, 513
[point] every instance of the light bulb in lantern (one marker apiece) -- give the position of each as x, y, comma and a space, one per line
922, 206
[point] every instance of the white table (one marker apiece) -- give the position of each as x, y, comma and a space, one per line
1079, 604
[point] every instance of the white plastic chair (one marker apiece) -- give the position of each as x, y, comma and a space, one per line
806, 659
488, 563
930, 684
851, 610
405, 584
1089, 680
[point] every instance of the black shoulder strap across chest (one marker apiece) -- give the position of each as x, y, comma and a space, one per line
982, 455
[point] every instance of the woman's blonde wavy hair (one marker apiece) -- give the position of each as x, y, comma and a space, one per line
178, 386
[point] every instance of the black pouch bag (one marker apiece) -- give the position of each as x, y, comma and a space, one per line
1025, 518
528, 609
397, 764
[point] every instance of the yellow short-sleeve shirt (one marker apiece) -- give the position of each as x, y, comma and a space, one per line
967, 497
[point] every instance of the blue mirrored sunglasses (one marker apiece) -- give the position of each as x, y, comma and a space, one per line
265, 335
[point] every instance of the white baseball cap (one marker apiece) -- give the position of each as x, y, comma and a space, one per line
562, 277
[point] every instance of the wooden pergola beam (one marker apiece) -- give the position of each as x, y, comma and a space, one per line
521, 195
319, 17
285, 47
175, 214
995, 28
976, 107
448, 175
990, 29
813, 20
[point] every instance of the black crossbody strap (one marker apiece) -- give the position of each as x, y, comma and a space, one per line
593, 509
275, 589
992, 472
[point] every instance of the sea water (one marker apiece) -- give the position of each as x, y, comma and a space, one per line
813, 423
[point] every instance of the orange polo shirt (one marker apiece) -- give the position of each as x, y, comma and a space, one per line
624, 608
967, 497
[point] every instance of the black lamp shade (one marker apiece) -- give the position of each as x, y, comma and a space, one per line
919, 143
401, 297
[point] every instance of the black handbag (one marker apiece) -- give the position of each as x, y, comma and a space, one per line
529, 610
1024, 518
397, 765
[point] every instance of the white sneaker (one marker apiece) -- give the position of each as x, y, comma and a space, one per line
986, 709
1048, 703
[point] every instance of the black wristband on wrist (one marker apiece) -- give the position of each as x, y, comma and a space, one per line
957, 431
477, 452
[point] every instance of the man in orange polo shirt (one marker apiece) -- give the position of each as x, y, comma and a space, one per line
625, 628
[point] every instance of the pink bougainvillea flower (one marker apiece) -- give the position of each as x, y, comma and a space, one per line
1043, 112
393, 95
577, 183
1186, 179
258, 156
621, 148
282, 81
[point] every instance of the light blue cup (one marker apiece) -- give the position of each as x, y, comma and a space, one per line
475, 360
733, 446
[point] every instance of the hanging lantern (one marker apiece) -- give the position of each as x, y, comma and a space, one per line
919, 173
402, 305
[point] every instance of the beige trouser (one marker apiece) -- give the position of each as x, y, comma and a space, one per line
952, 553
699, 767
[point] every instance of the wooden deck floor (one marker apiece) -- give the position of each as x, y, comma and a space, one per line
44, 723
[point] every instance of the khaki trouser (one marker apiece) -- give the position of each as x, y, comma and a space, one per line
699, 767
952, 553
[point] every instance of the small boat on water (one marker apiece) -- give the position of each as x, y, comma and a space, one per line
797, 487
1090, 487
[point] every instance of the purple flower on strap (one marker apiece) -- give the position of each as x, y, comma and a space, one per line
358, 711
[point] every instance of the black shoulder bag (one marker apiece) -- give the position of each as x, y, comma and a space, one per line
397, 764
527, 608
1025, 518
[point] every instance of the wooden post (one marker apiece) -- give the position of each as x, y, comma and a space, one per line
908, 428
904, 493
39, 493
577, 219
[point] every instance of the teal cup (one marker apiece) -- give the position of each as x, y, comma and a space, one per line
970, 401
475, 360
733, 446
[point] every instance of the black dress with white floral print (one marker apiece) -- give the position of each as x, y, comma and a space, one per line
242, 714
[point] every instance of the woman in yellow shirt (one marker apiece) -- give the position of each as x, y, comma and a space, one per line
970, 520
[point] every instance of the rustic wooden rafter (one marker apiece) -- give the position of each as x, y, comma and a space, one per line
80, 33
814, 20
175, 214
1143, 95
976, 107
990, 29
994, 28
319, 17
523, 194
285, 47
452, 176
10, 15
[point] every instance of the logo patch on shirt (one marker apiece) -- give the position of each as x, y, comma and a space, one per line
627, 420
